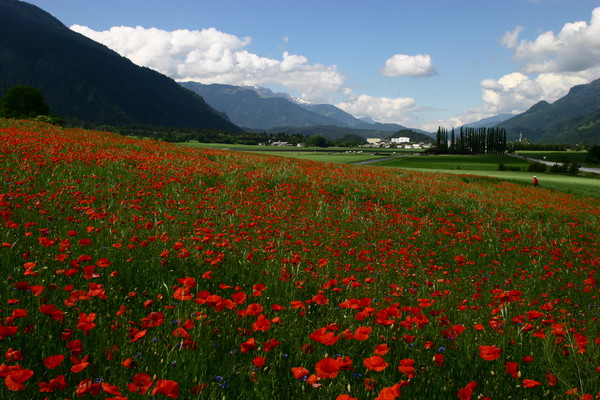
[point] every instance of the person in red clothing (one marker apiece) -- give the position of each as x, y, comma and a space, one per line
535, 181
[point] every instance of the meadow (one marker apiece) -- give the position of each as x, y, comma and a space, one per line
136, 268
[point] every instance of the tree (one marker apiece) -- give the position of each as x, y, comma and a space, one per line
318, 141
593, 155
23, 102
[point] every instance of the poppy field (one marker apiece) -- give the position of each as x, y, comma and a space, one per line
137, 269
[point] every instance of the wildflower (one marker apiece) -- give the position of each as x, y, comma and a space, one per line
489, 353
299, 372
167, 387
466, 392
529, 383
52, 362
512, 368
327, 368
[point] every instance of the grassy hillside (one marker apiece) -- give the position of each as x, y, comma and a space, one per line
134, 268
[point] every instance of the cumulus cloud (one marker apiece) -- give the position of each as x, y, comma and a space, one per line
419, 65
514, 93
379, 108
575, 48
510, 38
211, 56
550, 65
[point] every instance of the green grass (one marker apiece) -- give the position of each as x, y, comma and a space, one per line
454, 162
582, 186
342, 155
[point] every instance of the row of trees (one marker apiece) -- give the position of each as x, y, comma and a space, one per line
471, 141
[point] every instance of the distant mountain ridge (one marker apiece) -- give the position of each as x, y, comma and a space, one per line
85, 81
261, 109
570, 119
490, 121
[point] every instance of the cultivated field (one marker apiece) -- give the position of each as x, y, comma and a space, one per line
135, 268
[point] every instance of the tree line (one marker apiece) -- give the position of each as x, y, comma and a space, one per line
471, 141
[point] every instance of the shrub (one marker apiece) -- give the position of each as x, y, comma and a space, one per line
536, 167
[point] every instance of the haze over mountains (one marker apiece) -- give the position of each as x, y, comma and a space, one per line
87, 82
261, 109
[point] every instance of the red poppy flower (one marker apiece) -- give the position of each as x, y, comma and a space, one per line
136, 334
362, 332
530, 383
86, 386
199, 389
489, 353
86, 322
512, 368
6, 331
141, 383
248, 345
262, 324
13, 355
299, 372
110, 389
15, 378
381, 349
80, 365
52, 362
389, 393
552, 379
51, 311
167, 387
375, 363
259, 361
270, 345
327, 368
466, 392
58, 383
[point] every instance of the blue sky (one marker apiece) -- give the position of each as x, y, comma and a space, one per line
418, 63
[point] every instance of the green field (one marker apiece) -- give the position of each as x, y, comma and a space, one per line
582, 185
343, 155
136, 269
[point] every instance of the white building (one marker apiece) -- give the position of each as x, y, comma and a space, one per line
400, 140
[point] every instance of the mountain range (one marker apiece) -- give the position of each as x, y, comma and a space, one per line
83, 80
261, 109
86, 82
572, 119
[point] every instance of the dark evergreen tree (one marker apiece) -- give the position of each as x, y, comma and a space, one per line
23, 102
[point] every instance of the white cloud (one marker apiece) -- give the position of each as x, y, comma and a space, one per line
419, 65
211, 56
379, 108
510, 38
576, 48
550, 65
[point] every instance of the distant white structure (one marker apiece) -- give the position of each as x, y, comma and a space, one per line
400, 140
373, 140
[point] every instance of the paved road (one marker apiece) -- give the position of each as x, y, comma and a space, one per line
583, 169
